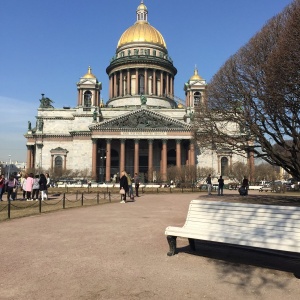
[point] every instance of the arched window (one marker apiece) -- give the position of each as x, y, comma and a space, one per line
224, 166
197, 99
87, 99
58, 162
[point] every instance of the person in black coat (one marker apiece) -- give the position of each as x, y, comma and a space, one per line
43, 187
124, 185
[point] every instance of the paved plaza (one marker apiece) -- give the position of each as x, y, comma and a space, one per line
119, 251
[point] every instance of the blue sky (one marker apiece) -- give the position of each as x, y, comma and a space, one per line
48, 45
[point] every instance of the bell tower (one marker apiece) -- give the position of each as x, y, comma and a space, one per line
89, 90
195, 90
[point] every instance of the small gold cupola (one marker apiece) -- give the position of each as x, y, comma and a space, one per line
196, 76
89, 74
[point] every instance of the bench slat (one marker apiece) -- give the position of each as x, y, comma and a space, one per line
272, 225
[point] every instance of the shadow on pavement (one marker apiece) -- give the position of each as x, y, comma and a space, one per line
229, 256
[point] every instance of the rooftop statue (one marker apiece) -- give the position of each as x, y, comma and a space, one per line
95, 113
45, 102
143, 99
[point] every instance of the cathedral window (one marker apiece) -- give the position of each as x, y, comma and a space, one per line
197, 99
87, 99
58, 162
224, 166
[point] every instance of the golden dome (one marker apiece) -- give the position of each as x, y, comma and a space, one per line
142, 6
89, 74
180, 105
142, 31
196, 76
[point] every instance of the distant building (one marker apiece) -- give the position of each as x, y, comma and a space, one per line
13, 167
142, 128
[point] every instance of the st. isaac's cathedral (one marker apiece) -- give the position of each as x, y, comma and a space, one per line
142, 128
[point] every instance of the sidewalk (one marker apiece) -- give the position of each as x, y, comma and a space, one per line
119, 251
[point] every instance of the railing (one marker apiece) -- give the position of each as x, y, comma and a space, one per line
70, 197
19, 208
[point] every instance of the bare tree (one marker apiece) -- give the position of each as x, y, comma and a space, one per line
239, 170
203, 172
266, 172
253, 100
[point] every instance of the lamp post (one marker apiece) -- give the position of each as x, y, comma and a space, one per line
40, 164
102, 159
8, 173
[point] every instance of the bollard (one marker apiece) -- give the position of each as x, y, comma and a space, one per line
40, 206
82, 199
64, 201
97, 197
109, 197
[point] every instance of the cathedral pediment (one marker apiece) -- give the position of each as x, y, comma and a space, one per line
142, 120
197, 83
87, 81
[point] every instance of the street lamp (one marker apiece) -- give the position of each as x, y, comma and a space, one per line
8, 174
102, 159
40, 164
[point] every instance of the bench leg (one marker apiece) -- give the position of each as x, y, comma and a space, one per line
172, 244
192, 244
297, 274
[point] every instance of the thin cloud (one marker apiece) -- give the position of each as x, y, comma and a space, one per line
15, 114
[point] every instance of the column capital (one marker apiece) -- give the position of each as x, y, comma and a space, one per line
136, 141
108, 141
150, 141
178, 141
122, 141
164, 141
94, 141
39, 145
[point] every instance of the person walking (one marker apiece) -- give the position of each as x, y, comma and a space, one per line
130, 190
47, 176
2, 186
124, 185
209, 185
11, 188
23, 185
36, 188
136, 184
245, 185
43, 187
29, 186
220, 186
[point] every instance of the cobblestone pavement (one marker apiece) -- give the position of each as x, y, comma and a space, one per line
119, 251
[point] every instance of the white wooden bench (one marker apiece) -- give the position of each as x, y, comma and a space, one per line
275, 228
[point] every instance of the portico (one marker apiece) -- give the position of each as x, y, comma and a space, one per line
141, 142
